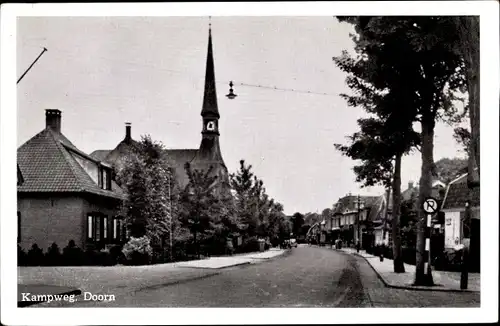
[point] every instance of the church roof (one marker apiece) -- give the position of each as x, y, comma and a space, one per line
210, 94
177, 158
49, 163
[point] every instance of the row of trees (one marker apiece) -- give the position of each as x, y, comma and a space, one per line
409, 71
203, 213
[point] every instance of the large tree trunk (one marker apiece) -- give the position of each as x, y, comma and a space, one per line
425, 189
396, 212
468, 27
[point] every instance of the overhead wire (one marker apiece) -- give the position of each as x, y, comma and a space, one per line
197, 76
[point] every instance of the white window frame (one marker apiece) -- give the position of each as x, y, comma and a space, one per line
115, 228
90, 227
105, 227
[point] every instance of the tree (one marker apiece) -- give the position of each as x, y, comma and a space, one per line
462, 136
297, 222
385, 138
252, 203
203, 210
448, 169
420, 54
243, 184
467, 28
145, 178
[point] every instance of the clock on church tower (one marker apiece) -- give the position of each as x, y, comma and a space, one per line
211, 125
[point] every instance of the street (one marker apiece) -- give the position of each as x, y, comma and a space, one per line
305, 277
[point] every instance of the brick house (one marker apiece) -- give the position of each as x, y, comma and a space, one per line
64, 194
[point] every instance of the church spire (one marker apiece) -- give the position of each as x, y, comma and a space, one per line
210, 95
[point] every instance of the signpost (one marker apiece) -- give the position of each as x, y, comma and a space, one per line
430, 207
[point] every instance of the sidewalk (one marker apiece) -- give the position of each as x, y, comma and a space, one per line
118, 280
445, 281
230, 261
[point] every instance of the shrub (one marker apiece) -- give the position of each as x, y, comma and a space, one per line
104, 258
53, 256
250, 244
35, 256
117, 254
448, 260
90, 258
22, 257
138, 251
72, 255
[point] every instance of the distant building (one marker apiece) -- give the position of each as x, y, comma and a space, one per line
345, 219
453, 207
63, 194
206, 156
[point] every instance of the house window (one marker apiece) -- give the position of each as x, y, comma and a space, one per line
18, 226
106, 179
115, 229
118, 232
90, 227
105, 227
96, 227
99, 177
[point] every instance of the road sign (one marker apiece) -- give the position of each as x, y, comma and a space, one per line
430, 205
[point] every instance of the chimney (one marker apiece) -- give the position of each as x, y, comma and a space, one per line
128, 131
53, 120
410, 185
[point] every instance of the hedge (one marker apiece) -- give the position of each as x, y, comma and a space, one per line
70, 256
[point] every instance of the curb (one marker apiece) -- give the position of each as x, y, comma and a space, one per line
186, 280
22, 304
409, 287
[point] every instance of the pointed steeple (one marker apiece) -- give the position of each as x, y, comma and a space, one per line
210, 95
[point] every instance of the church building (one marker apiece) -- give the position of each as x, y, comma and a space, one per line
202, 158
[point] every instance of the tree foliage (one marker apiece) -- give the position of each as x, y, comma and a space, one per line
145, 178
448, 169
407, 69
258, 214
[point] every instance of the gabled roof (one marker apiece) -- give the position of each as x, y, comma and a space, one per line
377, 211
100, 154
457, 194
350, 203
48, 163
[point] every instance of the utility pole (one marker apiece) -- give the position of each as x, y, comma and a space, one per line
169, 220
22, 76
358, 242
464, 275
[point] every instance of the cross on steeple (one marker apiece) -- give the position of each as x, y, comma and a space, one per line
210, 95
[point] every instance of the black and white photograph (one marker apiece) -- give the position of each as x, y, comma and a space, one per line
249, 155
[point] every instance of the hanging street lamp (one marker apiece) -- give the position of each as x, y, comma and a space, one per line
231, 94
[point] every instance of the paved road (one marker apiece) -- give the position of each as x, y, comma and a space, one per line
307, 277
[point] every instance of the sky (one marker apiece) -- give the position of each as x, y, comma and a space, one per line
103, 72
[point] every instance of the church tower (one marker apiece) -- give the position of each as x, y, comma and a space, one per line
209, 148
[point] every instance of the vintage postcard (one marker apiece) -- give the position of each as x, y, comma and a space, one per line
249, 155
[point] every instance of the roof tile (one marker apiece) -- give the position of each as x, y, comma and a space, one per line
48, 165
